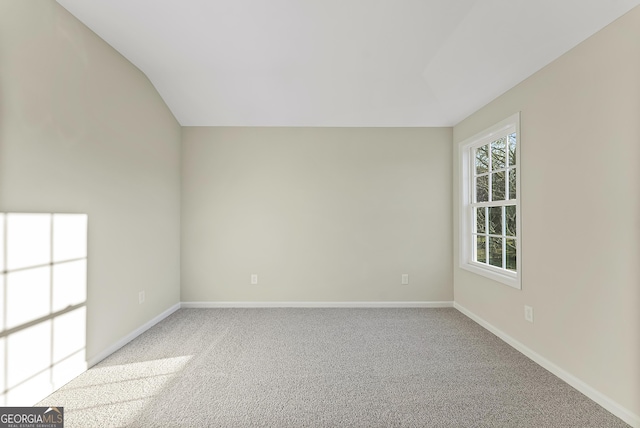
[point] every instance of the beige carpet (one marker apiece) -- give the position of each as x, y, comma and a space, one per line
322, 368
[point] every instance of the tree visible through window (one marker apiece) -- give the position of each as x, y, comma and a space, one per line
495, 185
490, 202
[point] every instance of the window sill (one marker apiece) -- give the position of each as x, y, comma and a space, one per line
510, 279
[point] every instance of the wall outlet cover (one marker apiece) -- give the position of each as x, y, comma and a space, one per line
528, 313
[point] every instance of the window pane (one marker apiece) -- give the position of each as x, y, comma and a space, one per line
512, 184
497, 186
480, 219
510, 214
495, 251
512, 149
511, 254
495, 220
481, 249
498, 152
482, 159
482, 188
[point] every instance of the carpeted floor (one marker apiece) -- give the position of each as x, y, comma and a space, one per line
322, 368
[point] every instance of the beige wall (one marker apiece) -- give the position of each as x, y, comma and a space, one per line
320, 214
580, 213
84, 131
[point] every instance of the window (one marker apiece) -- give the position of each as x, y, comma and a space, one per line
490, 208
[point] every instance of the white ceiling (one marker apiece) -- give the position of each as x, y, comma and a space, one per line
339, 62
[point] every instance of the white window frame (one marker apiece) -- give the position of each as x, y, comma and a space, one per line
467, 188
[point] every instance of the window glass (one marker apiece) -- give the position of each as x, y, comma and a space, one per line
481, 219
511, 254
498, 186
482, 188
510, 214
495, 251
481, 251
498, 152
512, 149
482, 159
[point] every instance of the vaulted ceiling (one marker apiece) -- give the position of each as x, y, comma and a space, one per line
339, 62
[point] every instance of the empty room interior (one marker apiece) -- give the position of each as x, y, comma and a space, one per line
321, 213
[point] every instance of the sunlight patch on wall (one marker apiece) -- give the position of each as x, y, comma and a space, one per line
43, 293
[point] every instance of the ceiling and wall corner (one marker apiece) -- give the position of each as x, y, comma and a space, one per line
388, 63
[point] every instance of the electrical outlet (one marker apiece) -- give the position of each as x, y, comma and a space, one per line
141, 297
254, 278
405, 279
528, 313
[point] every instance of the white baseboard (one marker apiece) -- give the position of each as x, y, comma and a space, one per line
194, 305
129, 337
606, 402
